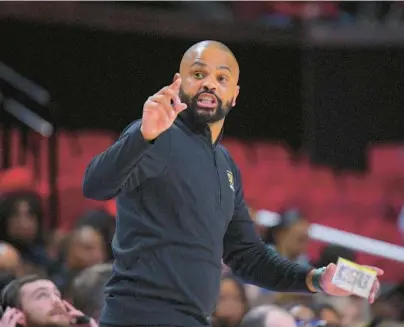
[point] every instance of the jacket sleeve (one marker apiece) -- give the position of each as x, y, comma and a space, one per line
250, 259
129, 161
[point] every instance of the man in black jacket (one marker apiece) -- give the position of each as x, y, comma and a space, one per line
180, 204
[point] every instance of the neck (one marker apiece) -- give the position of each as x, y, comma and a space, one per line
215, 129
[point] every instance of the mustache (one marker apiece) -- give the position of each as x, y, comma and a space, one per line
58, 310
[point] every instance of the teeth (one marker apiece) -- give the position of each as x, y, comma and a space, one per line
206, 99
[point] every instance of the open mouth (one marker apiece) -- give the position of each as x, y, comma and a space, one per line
206, 100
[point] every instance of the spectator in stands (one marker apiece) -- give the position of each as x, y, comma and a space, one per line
390, 304
10, 260
21, 225
328, 314
85, 248
87, 291
32, 301
353, 310
232, 304
103, 222
383, 324
322, 314
5, 278
286, 299
261, 229
56, 244
332, 252
303, 314
290, 236
268, 316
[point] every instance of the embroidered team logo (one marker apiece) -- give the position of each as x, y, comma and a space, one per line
231, 180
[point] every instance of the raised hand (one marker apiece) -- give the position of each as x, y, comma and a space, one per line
160, 110
11, 317
78, 318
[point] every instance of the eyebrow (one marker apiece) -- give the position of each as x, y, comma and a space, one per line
40, 289
202, 64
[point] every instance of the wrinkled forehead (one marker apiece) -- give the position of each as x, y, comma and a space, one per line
30, 289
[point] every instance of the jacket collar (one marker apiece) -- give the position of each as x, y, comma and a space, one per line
195, 127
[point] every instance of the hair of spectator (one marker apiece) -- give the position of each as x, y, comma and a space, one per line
5, 278
103, 222
88, 286
332, 252
257, 317
8, 202
241, 289
288, 218
10, 295
317, 308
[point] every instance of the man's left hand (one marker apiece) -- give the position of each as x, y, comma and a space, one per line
331, 289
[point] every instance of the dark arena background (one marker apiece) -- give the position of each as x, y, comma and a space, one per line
318, 127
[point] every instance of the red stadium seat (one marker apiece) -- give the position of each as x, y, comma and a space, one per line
386, 159
17, 178
351, 202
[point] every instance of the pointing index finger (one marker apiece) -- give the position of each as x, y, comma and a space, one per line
175, 86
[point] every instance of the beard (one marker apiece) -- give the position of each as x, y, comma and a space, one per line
203, 115
32, 321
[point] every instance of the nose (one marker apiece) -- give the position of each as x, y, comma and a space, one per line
209, 84
57, 301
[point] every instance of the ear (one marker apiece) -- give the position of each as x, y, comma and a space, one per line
22, 321
176, 76
236, 93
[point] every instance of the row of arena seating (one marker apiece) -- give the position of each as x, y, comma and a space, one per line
365, 204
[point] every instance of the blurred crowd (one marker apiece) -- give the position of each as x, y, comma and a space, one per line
286, 14
289, 13
278, 14
79, 263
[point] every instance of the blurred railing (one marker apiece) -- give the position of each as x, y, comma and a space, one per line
19, 99
338, 237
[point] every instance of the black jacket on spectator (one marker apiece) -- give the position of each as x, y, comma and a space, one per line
180, 209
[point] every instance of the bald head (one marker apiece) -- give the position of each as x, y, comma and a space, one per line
197, 50
268, 316
209, 75
208, 44
10, 259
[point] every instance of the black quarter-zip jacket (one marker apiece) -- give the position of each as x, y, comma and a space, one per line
180, 210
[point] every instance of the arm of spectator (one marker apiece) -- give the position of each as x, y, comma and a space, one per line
10, 317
